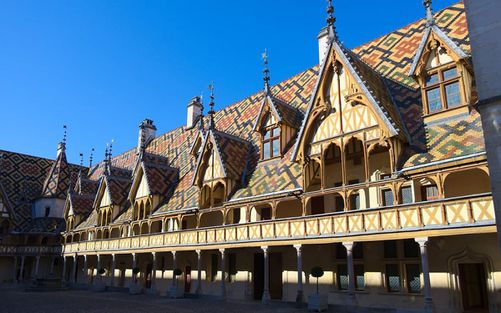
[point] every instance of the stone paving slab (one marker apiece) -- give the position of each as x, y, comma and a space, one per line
78, 301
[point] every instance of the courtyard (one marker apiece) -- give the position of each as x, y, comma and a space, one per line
80, 301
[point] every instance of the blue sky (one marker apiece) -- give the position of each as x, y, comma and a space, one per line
101, 67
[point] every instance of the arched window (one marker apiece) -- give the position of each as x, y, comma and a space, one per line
270, 144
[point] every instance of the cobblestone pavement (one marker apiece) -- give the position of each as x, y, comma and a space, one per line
18, 301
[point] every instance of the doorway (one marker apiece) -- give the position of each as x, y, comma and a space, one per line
258, 276
473, 284
187, 279
275, 269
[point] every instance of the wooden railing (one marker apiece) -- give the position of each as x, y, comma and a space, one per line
458, 212
14, 250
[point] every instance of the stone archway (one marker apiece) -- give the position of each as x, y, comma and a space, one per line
468, 256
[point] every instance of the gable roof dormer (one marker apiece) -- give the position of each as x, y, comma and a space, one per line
435, 49
434, 43
112, 190
59, 178
345, 80
152, 177
224, 155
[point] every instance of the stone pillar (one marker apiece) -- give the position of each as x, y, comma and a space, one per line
134, 265
351, 270
97, 281
63, 278
21, 274
266, 290
199, 271
85, 269
14, 272
174, 266
223, 278
153, 287
173, 288
37, 266
423, 247
74, 270
52, 264
299, 296
113, 268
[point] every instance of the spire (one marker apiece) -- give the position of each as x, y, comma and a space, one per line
81, 164
211, 105
61, 147
330, 22
430, 20
201, 125
107, 160
266, 72
91, 157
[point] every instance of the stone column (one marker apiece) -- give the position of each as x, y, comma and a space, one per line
199, 270
134, 264
113, 268
266, 290
52, 261
423, 247
223, 278
153, 287
299, 296
85, 269
14, 272
173, 288
97, 281
74, 270
351, 270
37, 266
21, 274
63, 278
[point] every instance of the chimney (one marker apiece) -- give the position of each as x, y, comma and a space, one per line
323, 41
147, 132
195, 108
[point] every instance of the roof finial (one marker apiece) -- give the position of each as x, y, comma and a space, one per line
201, 125
110, 151
65, 134
81, 159
211, 105
91, 157
330, 21
430, 20
266, 72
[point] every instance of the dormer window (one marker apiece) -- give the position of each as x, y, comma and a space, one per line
270, 144
442, 89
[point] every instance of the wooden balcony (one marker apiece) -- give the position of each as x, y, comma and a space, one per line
452, 216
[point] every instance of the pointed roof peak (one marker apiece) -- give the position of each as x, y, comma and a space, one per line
266, 72
331, 20
430, 20
211, 105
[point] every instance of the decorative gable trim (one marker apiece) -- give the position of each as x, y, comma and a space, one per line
214, 149
392, 127
103, 187
267, 101
461, 54
198, 140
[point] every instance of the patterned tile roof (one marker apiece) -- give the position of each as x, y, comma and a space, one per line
383, 63
23, 178
58, 181
81, 204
